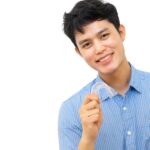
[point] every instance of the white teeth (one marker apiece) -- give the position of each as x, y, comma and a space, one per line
105, 58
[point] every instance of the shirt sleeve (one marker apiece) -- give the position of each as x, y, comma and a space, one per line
69, 131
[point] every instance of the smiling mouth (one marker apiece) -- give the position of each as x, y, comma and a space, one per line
105, 58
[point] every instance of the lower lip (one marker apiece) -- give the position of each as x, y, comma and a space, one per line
106, 61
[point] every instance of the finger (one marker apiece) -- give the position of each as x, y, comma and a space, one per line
90, 97
93, 112
92, 105
94, 118
87, 114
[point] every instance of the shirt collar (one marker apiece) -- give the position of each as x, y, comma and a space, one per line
102, 89
135, 79
108, 92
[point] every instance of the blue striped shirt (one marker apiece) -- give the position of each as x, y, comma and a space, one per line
126, 118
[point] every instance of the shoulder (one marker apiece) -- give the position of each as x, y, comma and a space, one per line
76, 99
142, 78
69, 109
72, 104
144, 75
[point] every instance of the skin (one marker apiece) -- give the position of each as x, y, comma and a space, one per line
101, 46
91, 118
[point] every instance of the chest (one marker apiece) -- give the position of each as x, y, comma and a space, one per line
126, 121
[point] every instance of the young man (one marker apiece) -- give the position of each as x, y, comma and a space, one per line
113, 111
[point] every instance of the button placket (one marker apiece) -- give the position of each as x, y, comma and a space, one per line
128, 119
124, 108
129, 133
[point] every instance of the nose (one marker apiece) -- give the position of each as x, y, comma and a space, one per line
99, 47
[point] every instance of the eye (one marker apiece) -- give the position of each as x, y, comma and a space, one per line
104, 36
86, 45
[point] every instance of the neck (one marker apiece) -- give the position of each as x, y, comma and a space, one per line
119, 79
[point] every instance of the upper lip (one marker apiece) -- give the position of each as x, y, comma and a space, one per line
103, 56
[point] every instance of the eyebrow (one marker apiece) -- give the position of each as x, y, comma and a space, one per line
98, 33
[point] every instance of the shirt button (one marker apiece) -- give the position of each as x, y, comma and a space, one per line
129, 133
124, 108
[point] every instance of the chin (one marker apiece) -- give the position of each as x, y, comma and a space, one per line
107, 71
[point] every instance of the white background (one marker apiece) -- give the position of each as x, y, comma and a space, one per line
39, 68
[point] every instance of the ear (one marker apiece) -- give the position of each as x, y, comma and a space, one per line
122, 32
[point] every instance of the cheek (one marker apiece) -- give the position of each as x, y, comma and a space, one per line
88, 55
117, 46
112, 43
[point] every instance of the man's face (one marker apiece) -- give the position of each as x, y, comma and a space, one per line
101, 46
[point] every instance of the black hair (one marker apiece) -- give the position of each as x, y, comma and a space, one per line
87, 11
